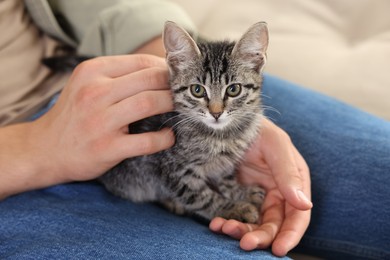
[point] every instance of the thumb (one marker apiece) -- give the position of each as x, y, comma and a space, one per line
293, 191
289, 169
293, 181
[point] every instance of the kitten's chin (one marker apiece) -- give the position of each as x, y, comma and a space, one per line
216, 124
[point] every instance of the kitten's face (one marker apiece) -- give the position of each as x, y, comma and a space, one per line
217, 106
216, 84
217, 92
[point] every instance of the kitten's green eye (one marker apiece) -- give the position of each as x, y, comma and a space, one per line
233, 90
198, 90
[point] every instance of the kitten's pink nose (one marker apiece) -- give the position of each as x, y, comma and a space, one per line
216, 115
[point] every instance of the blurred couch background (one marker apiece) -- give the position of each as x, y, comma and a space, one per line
340, 48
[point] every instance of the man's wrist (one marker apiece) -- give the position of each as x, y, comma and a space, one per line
24, 164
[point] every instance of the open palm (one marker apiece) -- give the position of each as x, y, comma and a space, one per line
274, 164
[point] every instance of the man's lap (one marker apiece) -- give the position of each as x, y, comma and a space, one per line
83, 221
348, 152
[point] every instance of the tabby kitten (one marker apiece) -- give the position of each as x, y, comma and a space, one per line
216, 91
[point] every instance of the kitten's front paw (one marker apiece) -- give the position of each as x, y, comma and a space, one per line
173, 207
256, 196
241, 211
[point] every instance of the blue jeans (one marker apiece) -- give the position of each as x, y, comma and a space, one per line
348, 152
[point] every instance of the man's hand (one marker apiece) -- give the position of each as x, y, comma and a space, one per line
89, 124
274, 164
86, 132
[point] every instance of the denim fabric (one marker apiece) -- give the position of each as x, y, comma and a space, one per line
347, 150
83, 221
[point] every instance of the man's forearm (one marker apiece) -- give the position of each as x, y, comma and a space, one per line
21, 162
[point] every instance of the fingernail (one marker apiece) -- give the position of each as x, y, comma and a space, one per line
303, 197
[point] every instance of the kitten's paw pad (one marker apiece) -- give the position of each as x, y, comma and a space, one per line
256, 196
242, 211
173, 207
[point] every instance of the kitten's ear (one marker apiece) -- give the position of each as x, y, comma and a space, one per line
251, 49
180, 48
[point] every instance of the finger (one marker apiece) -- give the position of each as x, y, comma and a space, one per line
119, 65
291, 232
232, 228
140, 106
305, 173
128, 146
116, 66
265, 234
236, 229
154, 78
261, 238
286, 172
216, 224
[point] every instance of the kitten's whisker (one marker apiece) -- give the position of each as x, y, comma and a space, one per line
272, 109
189, 120
270, 118
265, 96
169, 119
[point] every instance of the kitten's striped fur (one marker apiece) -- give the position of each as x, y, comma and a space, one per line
214, 126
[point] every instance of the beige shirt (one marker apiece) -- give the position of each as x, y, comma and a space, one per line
25, 83
93, 28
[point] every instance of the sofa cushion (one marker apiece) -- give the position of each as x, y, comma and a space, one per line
341, 48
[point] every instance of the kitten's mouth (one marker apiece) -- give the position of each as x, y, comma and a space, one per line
218, 124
